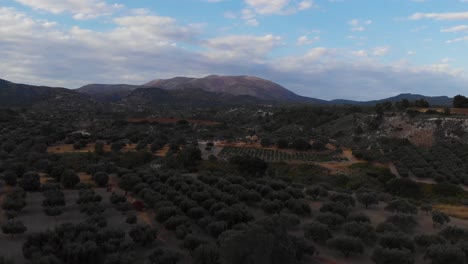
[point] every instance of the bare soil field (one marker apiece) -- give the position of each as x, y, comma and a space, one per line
68, 148
454, 210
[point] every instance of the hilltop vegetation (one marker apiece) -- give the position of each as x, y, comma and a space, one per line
233, 184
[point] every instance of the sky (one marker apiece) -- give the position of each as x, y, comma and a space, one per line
328, 49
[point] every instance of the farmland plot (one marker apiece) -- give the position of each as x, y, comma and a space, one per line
274, 155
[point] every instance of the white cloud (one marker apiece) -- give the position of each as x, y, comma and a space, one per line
272, 7
81, 9
359, 25
305, 40
381, 51
440, 16
460, 28
138, 49
239, 47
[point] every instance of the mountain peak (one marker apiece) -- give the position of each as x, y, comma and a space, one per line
233, 85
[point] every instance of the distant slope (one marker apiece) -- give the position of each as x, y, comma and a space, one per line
23, 95
433, 100
233, 85
190, 97
107, 92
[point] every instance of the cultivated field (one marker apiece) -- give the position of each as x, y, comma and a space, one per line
172, 121
274, 155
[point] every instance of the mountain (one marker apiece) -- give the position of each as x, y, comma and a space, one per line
184, 97
22, 95
232, 85
107, 92
432, 100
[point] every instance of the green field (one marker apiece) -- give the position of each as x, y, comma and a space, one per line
273, 155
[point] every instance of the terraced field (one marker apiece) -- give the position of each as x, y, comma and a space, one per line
274, 155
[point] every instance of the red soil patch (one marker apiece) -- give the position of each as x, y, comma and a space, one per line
172, 120
68, 148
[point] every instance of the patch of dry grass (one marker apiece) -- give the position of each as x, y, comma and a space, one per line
457, 211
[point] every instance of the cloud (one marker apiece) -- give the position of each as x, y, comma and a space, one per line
440, 16
305, 40
272, 7
81, 9
137, 49
460, 28
359, 25
381, 51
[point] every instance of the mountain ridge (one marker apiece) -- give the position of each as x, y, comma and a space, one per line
185, 89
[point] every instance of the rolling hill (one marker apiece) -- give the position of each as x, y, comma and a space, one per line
233, 85
107, 92
23, 95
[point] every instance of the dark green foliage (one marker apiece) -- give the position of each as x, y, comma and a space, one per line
454, 234
13, 227
443, 254
367, 198
401, 206
30, 182
439, 218
76, 244
70, 179
10, 177
164, 256
460, 101
382, 255
128, 181
332, 220
92, 208
397, 241
425, 241
131, 219
343, 198
358, 217
404, 188
386, 227
165, 213
317, 232
301, 145
115, 198
403, 221
143, 235
101, 178
250, 166
335, 207
53, 210
282, 143
317, 191
272, 207
299, 207
346, 245
206, 254
53, 197
363, 231
265, 241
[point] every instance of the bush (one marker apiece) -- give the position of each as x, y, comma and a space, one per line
443, 254
70, 179
101, 179
346, 245
206, 254
317, 232
397, 241
143, 235
392, 256
30, 182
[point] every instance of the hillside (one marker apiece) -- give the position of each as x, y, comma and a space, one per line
157, 96
107, 92
432, 100
233, 85
23, 95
